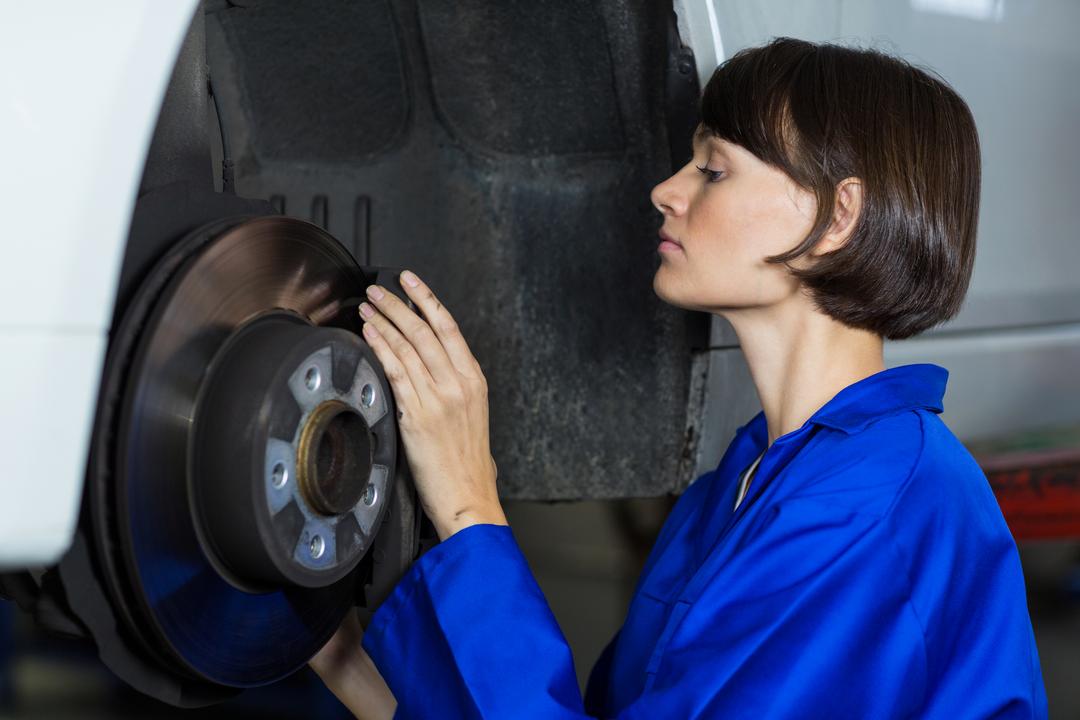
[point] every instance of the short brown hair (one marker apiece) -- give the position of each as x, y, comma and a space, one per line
822, 113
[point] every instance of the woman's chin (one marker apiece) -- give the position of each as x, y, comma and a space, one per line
657, 284
662, 291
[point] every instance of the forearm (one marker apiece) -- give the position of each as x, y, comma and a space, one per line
347, 670
356, 682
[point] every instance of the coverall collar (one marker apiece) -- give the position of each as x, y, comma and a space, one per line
892, 390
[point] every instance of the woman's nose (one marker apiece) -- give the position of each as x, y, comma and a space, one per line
667, 198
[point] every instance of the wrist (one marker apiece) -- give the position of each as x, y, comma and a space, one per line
446, 524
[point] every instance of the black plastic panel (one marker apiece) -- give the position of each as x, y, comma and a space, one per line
523, 77
325, 83
518, 189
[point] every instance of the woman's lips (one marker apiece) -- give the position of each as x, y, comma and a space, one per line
668, 243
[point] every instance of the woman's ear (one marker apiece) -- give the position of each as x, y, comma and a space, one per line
845, 216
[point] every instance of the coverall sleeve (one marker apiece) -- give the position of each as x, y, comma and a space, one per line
467, 633
823, 630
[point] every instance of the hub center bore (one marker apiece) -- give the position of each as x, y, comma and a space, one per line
336, 454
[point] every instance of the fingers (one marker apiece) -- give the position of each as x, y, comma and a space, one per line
403, 376
414, 330
441, 322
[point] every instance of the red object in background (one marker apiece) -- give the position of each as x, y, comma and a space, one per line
1038, 489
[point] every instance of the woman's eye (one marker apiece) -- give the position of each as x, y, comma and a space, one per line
713, 175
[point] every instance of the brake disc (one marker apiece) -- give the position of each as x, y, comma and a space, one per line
245, 467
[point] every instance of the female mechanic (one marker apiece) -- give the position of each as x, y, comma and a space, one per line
847, 558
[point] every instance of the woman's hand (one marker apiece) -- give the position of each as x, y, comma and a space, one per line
441, 397
349, 673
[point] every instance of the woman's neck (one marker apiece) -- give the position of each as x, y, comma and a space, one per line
800, 359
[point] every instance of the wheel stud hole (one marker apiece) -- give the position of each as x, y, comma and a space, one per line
279, 476
317, 546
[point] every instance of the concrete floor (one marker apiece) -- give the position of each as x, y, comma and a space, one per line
586, 557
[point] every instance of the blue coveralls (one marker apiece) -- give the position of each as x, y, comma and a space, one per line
868, 573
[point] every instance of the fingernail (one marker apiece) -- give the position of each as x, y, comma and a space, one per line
366, 310
410, 279
374, 292
370, 331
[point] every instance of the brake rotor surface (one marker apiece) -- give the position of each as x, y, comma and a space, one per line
207, 626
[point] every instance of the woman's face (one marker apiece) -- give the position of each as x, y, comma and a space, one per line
726, 220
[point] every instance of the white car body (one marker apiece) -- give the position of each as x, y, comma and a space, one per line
81, 85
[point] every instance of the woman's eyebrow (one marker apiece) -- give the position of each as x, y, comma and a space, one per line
700, 135
703, 136
721, 148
